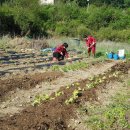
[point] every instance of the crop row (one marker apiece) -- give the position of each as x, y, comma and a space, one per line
78, 89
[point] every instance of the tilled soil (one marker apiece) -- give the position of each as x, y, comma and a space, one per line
31, 67
26, 81
18, 99
54, 114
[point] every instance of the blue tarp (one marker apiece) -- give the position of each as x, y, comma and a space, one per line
48, 49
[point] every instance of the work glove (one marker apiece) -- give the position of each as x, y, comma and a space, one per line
67, 56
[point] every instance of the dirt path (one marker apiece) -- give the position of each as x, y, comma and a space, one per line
22, 98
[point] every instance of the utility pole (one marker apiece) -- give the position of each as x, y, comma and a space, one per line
87, 5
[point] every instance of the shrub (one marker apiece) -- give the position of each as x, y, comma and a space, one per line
62, 29
113, 35
82, 31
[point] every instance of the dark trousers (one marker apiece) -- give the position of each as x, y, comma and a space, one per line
58, 56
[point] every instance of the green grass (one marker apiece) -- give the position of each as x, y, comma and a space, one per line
128, 83
108, 46
112, 116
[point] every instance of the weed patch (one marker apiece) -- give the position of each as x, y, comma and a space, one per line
112, 117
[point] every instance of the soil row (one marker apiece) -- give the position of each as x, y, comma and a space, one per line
26, 82
29, 81
29, 66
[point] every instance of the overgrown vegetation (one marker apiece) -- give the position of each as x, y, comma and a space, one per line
111, 117
68, 18
70, 67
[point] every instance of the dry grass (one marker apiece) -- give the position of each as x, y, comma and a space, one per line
19, 43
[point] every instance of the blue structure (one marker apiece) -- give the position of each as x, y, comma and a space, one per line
110, 55
115, 56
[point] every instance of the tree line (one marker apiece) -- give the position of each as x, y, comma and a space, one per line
106, 19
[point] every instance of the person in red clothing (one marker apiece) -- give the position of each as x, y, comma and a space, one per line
60, 52
91, 44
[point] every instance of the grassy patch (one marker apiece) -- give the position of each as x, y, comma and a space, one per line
128, 83
112, 117
70, 67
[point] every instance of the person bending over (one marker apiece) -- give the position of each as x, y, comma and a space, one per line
60, 52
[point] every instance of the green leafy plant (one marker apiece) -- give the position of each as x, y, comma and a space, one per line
57, 94
76, 93
90, 85
55, 67
39, 98
70, 67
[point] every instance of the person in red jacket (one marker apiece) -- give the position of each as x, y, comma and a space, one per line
91, 44
60, 52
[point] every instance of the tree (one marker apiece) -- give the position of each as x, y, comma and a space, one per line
127, 3
3, 1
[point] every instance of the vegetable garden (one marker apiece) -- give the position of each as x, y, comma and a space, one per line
53, 111
79, 93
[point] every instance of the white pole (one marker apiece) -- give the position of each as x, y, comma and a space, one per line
87, 5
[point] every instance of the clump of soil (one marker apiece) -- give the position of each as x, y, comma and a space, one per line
123, 67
